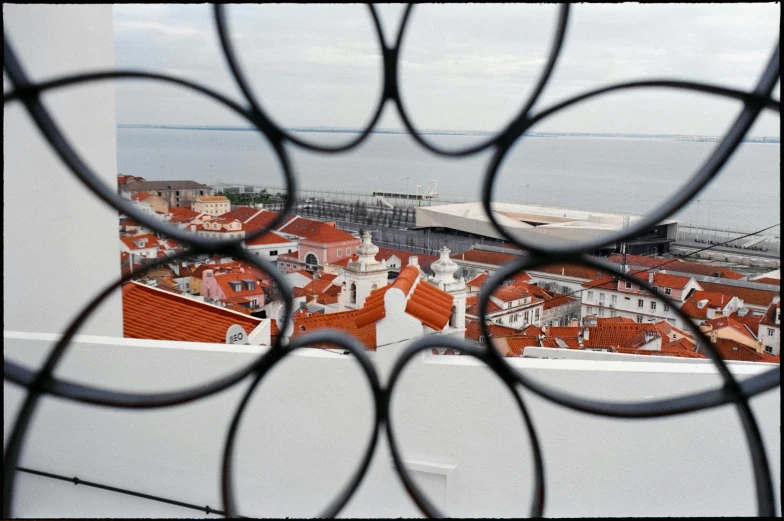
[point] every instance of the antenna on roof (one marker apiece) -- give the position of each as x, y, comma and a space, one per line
624, 267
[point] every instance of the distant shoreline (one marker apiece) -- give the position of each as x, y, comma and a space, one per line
679, 137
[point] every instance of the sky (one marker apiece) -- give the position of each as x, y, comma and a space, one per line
463, 66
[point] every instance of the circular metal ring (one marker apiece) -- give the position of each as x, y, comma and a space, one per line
261, 115
29, 95
304, 341
510, 130
730, 393
500, 370
753, 105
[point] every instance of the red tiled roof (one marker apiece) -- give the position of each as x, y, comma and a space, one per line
768, 280
223, 281
754, 297
563, 332
694, 268
479, 280
750, 320
241, 213
213, 199
317, 231
664, 280
714, 300
428, 304
731, 350
510, 293
516, 344
484, 257
474, 331
159, 315
722, 322
769, 319
344, 321
267, 238
424, 261
130, 242
318, 286
569, 270
620, 335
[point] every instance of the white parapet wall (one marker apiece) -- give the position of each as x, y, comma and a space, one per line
310, 419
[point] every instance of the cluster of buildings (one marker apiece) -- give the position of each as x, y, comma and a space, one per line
383, 296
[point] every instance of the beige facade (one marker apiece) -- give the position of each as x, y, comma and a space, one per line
211, 204
176, 193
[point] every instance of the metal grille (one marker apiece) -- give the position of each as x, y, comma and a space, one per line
42, 382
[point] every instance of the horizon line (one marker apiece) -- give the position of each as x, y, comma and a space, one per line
425, 131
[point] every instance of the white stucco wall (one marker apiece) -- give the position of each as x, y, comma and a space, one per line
54, 229
457, 425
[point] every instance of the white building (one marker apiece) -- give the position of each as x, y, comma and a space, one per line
511, 306
770, 329
608, 297
444, 279
363, 276
269, 245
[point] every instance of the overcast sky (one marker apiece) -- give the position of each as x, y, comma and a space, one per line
463, 66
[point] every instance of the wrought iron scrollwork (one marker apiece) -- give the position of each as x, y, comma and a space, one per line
40, 382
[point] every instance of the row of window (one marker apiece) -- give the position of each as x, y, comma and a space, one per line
348, 252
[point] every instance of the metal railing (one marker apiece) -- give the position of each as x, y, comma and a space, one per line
41, 382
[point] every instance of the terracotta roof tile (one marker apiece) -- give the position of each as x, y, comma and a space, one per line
131, 242
344, 321
731, 350
768, 280
317, 231
474, 331
769, 319
730, 322
755, 297
267, 238
159, 315
491, 258
714, 301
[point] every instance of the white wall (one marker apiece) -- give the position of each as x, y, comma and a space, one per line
306, 424
59, 239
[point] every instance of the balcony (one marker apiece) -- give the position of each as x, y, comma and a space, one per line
461, 436
305, 428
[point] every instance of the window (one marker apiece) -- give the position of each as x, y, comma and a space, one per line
666, 307
273, 253
601, 312
508, 305
734, 348
289, 250
769, 349
589, 310
348, 251
340, 253
452, 317
311, 260
613, 313
640, 303
614, 299
537, 314
667, 291
770, 331
525, 316
601, 297
628, 285
639, 318
653, 305
201, 192
353, 293
590, 295
177, 193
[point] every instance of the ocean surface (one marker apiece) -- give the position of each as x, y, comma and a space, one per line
620, 175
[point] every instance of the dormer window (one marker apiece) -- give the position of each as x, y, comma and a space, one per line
249, 284
236, 285
668, 291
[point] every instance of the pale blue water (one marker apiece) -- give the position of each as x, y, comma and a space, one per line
601, 174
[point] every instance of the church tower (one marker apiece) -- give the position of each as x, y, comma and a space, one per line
363, 275
444, 279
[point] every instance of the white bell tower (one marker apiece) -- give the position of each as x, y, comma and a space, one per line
362, 276
444, 279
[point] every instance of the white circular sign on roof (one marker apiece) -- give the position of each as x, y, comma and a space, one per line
237, 335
